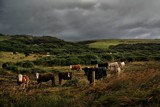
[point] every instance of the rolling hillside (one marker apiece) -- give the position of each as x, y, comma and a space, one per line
105, 43
137, 86
66, 53
42, 44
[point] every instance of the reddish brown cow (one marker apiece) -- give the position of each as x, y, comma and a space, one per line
22, 81
75, 67
44, 78
64, 76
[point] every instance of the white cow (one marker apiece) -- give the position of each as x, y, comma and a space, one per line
114, 68
113, 64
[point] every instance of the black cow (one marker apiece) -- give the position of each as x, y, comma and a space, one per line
14, 52
26, 54
103, 65
64, 76
100, 72
94, 62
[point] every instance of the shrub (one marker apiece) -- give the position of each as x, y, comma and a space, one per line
25, 70
34, 70
106, 57
7, 64
71, 61
26, 64
155, 97
141, 58
156, 58
129, 58
66, 60
14, 68
87, 58
73, 82
40, 61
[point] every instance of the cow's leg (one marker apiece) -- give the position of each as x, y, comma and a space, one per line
118, 73
53, 82
60, 81
39, 84
90, 81
27, 83
20, 86
24, 85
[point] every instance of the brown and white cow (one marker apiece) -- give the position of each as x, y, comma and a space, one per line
64, 76
75, 67
22, 81
44, 78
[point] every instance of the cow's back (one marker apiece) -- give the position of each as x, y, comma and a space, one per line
46, 77
65, 75
103, 65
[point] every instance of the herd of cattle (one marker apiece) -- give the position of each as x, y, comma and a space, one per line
101, 71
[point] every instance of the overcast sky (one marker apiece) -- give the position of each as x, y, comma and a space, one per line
82, 19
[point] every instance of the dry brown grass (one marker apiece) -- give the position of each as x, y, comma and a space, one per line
10, 57
134, 84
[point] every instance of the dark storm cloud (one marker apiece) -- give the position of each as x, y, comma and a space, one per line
81, 19
1, 5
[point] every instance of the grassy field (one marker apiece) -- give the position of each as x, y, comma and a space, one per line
104, 44
10, 57
137, 86
2, 38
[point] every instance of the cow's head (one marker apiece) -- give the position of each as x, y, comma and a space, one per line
86, 70
69, 74
37, 75
70, 66
20, 77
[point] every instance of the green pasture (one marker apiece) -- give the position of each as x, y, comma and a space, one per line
104, 44
10, 57
3, 38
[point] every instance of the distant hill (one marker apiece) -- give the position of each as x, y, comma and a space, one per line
84, 51
38, 44
105, 43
